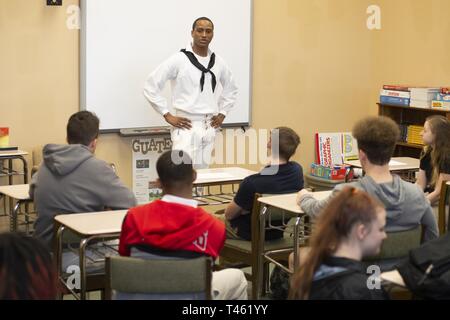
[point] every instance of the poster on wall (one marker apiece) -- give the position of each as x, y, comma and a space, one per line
146, 152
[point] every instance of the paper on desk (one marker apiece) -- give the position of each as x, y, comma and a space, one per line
396, 163
213, 176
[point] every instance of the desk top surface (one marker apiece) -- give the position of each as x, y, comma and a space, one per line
16, 191
288, 201
393, 277
93, 223
12, 153
220, 175
396, 163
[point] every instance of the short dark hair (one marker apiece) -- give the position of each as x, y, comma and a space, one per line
288, 141
199, 19
82, 128
26, 269
174, 168
377, 137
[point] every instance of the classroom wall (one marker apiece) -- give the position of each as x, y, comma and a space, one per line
412, 47
38, 72
316, 67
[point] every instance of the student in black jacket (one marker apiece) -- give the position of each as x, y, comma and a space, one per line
350, 228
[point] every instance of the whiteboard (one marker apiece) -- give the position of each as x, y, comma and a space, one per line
122, 42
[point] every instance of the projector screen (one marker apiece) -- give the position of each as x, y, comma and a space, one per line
122, 41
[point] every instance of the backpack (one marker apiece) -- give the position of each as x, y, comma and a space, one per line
279, 284
427, 271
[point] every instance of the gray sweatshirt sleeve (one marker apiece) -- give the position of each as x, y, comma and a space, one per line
429, 224
313, 207
114, 193
33, 185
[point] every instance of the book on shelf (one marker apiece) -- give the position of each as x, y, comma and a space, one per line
440, 105
414, 134
442, 97
396, 87
349, 147
424, 94
337, 172
423, 104
417, 142
394, 101
395, 93
415, 127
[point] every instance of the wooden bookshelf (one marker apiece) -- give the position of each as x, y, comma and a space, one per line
410, 116
415, 109
410, 145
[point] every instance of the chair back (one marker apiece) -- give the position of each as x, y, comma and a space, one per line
158, 278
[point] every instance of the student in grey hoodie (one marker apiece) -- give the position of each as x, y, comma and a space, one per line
405, 203
72, 180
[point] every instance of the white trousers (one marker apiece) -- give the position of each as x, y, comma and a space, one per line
198, 141
229, 284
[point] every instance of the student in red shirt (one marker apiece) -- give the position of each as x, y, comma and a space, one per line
175, 224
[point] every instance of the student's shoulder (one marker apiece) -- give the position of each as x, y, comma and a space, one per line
249, 180
355, 286
247, 186
354, 184
410, 189
99, 164
295, 165
413, 193
344, 285
98, 169
143, 209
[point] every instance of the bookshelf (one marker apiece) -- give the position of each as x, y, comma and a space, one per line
410, 116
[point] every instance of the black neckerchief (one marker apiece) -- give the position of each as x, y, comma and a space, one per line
199, 66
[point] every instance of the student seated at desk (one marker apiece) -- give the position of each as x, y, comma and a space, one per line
280, 176
405, 203
72, 180
26, 269
435, 158
350, 227
175, 224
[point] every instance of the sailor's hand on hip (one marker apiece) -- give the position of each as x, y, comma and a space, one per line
216, 121
178, 122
